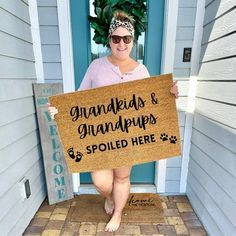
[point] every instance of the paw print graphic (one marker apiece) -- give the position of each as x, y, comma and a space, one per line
173, 139
164, 137
72, 155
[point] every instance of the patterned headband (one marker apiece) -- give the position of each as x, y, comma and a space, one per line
117, 23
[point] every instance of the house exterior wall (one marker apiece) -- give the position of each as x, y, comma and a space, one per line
50, 42
211, 185
181, 73
20, 155
48, 20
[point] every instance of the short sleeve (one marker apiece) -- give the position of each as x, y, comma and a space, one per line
87, 80
143, 72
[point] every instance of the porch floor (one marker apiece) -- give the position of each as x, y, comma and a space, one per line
55, 220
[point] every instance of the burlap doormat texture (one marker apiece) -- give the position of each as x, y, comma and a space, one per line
140, 208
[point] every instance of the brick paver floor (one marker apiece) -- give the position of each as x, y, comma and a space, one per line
55, 220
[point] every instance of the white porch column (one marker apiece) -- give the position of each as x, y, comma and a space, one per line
168, 54
67, 62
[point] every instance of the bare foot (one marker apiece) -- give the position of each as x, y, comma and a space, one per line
109, 206
114, 222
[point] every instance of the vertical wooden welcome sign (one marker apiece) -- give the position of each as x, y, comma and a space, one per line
58, 179
118, 125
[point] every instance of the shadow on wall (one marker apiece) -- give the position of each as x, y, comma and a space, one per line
209, 22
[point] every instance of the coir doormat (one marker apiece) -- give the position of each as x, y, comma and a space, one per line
118, 125
140, 208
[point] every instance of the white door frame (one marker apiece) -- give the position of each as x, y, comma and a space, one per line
67, 61
196, 51
168, 52
167, 66
35, 32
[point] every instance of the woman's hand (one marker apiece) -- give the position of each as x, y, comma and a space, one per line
174, 89
52, 110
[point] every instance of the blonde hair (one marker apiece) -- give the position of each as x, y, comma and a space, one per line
123, 17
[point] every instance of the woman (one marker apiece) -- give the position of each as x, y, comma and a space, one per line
118, 67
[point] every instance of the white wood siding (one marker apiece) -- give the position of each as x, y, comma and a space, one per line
19, 147
211, 184
49, 33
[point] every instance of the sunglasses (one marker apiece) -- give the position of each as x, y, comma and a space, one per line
116, 39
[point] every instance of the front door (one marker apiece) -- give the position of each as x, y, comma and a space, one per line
147, 51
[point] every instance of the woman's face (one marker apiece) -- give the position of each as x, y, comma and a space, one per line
121, 50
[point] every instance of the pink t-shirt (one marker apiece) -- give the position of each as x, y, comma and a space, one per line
102, 72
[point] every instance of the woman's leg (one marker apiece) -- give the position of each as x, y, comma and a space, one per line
120, 194
103, 181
